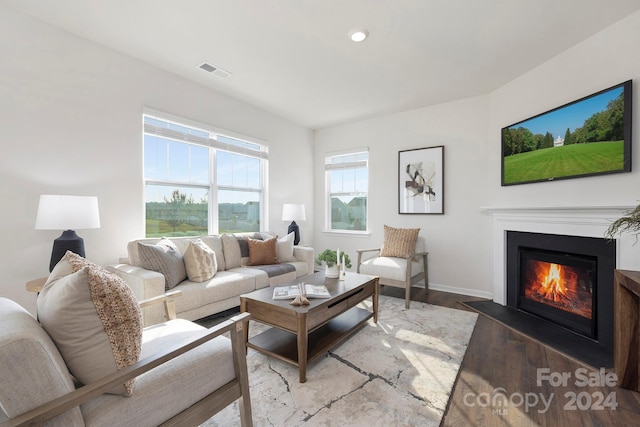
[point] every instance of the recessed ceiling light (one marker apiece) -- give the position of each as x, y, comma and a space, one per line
358, 35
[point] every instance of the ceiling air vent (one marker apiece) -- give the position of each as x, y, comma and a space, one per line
215, 70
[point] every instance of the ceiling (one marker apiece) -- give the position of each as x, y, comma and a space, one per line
294, 58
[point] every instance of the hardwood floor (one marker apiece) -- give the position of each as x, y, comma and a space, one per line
502, 361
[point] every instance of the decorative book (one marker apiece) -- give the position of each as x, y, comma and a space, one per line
290, 292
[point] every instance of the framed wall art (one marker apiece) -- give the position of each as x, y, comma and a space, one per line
421, 181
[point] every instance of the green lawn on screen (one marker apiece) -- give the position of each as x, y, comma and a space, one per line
557, 162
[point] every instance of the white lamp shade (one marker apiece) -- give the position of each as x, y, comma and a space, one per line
57, 212
293, 212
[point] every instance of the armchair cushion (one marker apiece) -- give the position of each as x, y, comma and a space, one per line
399, 242
164, 258
200, 261
94, 319
166, 390
393, 268
262, 252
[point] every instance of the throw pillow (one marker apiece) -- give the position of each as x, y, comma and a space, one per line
262, 252
164, 258
94, 319
284, 249
399, 242
200, 261
232, 254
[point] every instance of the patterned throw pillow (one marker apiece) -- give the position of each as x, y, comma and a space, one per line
262, 252
164, 258
93, 318
399, 242
200, 261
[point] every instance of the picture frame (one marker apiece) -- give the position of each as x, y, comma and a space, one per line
421, 180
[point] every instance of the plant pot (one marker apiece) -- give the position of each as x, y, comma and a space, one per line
332, 272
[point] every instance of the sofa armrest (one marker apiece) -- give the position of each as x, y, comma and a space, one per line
235, 326
145, 284
305, 254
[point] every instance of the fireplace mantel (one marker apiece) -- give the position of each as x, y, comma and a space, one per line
588, 221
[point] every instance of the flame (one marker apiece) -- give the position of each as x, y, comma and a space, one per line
552, 286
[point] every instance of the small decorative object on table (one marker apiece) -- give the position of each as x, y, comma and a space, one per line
333, 262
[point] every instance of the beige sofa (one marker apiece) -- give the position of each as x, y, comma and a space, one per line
222, 291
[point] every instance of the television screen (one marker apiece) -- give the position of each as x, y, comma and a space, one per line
590, 136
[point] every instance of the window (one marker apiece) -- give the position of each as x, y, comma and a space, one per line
347, 184
199, 181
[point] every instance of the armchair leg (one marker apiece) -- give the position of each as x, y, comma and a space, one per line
407, 294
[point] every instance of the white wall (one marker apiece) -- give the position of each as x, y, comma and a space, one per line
459, 242
70, 123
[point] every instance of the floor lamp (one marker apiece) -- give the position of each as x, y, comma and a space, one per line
67, 213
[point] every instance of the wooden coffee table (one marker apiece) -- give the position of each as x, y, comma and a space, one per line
300, 334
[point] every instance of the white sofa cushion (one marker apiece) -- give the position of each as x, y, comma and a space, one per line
94, 319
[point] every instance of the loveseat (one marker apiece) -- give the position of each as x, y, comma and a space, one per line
235, 273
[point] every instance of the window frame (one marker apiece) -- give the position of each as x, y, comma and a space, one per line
216, 142
330, 166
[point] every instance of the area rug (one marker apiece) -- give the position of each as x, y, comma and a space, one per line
398, 372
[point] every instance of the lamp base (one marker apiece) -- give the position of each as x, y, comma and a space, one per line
293, 228
68, 241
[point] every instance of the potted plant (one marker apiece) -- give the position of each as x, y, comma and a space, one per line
330, 259
630, 223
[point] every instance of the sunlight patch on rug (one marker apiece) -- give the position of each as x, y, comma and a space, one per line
398, 372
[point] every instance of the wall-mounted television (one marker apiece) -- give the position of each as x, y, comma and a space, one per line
587, 137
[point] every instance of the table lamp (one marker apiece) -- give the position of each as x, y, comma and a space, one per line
293, 212
67, 213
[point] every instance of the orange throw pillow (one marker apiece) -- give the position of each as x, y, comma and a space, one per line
263, 252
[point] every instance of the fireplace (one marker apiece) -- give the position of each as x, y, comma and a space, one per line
566, 280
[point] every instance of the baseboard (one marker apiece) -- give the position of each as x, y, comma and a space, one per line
461, 291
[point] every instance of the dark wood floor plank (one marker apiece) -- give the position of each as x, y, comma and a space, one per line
500, 357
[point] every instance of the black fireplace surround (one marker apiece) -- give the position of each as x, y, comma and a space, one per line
594, 254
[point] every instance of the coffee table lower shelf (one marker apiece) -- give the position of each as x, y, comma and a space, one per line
283, 345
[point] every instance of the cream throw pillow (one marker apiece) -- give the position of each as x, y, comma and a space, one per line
399, 242
232, 253
200, 261
94, 319
284, 248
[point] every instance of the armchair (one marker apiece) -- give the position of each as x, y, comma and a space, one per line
186, 374
400, 272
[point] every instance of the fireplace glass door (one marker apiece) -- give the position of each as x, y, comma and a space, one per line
559, 287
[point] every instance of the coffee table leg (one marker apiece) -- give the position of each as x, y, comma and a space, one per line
243, 309
376, 293
303, 342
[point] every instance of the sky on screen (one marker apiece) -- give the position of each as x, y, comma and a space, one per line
571, 116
